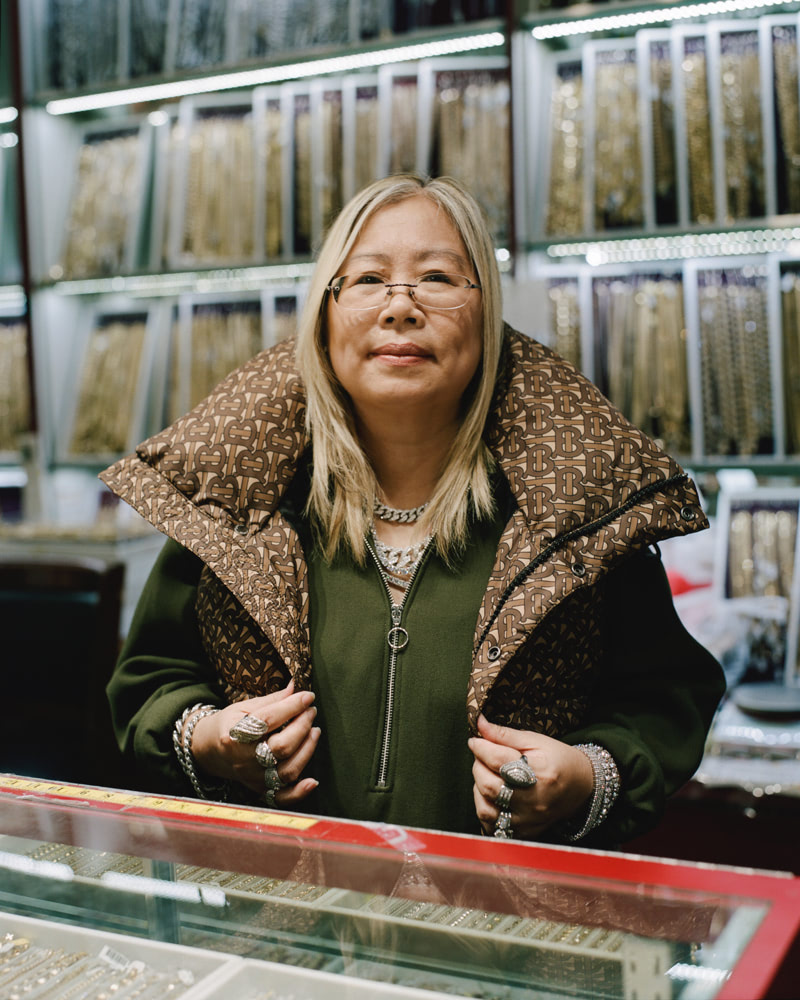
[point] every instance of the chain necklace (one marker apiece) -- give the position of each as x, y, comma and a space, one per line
409, 516
399, 565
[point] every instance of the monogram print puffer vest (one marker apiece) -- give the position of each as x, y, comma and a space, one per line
588, 489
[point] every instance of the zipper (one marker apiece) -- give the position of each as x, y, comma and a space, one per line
569, 536
397, 640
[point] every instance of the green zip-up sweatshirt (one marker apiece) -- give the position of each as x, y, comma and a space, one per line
560, 622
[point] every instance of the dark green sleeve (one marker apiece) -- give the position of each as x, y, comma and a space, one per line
654, 700
161, 671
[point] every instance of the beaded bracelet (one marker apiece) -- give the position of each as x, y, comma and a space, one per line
606, 788
182, 743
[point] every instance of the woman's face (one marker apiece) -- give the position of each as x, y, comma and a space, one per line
404, 355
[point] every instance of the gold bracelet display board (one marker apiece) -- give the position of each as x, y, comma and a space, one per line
105, 203
761, 550
403, 133
785, 60
740, 75
565, 319
273, 180
790, 357
565, 189
662, 115
222, 337
694, 102
642, 337
108, 386
220, 194
618, 190
735, 362
368, 113
14, 392
330, 186
301, 130
471, 120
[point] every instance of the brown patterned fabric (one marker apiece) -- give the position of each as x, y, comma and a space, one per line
558, 662
246, 661
589, 488
213, 480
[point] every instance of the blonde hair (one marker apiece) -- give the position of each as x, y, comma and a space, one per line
343, 484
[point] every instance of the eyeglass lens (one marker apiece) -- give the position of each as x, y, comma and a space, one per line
437, 291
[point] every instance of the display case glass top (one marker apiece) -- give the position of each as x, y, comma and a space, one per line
226, 894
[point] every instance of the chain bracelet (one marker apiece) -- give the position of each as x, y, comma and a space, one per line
606, 788
182, 743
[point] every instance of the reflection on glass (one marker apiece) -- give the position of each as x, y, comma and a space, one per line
416, 921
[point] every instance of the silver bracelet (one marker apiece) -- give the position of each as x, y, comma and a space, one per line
182, 743
606, 788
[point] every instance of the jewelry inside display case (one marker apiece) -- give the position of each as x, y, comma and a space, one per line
127, 892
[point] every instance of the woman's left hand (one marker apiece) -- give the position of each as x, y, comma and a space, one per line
564, 779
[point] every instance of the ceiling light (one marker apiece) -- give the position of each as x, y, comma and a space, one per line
275, 74
638, 19
176, 283
690, 245
12, 300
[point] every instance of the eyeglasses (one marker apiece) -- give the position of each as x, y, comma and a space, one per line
439, 290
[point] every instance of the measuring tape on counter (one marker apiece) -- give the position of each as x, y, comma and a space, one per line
151, 803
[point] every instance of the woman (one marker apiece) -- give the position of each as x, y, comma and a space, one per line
411, 574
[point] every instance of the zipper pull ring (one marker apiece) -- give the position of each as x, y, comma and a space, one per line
397, 637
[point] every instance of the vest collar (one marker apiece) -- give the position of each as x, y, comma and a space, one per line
569, 456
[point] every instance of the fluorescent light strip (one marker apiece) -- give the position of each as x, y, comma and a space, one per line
661, 248
8, 115
637, 19
697, 973
275, 74
140, 884
221, 280
31, 866
12, 300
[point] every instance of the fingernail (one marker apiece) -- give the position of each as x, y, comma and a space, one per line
316, 732
306, 698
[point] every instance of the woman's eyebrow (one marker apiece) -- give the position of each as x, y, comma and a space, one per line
423, 255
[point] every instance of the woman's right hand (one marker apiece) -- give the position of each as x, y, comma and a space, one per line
292, 738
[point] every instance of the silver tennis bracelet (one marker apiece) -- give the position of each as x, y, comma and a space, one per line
606, 789
182, 744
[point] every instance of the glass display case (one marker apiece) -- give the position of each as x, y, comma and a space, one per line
113, 893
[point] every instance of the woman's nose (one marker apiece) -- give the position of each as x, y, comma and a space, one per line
400, 304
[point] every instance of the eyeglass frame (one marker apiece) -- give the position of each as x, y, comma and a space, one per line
388, 285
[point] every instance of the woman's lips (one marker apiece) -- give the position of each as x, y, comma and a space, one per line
401, 354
